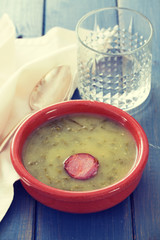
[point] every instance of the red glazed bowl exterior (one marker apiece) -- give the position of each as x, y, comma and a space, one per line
87, 201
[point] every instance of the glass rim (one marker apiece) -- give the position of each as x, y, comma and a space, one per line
84, 17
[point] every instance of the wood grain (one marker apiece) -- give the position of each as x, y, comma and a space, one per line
27, 16
109, 224
146, 198
18, 224
66, 13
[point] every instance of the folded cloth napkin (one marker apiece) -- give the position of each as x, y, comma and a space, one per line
23, 62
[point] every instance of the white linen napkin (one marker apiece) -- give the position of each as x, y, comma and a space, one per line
22, 63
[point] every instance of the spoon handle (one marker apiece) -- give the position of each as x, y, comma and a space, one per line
6, 139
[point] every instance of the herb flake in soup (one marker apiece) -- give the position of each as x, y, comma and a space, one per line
47, 148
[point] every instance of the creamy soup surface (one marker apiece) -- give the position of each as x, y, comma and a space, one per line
51, 144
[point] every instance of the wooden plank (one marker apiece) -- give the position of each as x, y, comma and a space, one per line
19, 221
66, 13
146, 198
112, 224
27, 16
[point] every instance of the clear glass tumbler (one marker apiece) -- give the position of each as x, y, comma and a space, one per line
114, 57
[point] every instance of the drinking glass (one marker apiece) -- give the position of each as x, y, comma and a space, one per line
114, 57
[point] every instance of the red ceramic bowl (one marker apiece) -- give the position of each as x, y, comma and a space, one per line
88, 201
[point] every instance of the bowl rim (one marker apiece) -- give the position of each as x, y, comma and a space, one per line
125, 182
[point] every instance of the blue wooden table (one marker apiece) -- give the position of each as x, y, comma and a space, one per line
136, 218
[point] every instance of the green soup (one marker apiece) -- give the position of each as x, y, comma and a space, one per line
51, 144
